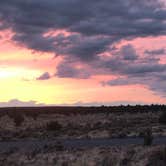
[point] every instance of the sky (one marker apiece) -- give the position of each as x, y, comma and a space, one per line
82, 52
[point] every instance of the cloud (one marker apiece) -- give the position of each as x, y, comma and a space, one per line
67, 70
44, 76
154, 83
126, 64
96, 104
155, 52
128, 52
145, 70
114, 103
18, 103
84, 34
91, 26
81, 47
94, 24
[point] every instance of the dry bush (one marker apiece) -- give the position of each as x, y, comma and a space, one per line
53, 126
157, 158
148, 138
162, 118
17, 118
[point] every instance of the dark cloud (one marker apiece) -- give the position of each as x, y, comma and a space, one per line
128, 52
127, 62
152, 82
97, 20
44, 76
129, 67
145, 70
81, 47
68, 70
155, 52
120, 82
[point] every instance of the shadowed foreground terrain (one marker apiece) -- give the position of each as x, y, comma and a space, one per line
103, 156
52, 123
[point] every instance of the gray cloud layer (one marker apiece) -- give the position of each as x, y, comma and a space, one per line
99, 22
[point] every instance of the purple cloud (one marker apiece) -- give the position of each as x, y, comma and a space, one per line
18, 103
44, 76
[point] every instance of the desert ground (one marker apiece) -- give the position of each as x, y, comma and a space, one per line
103, 156
90, 125
43, 125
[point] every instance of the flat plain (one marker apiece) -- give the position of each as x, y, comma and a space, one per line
84, 123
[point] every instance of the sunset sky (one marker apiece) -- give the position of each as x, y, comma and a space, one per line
82, 52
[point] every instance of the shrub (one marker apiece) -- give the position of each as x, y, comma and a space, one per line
162, 118
148, 138
109, 161
65, 163
157, 157
53, 126
33, 115
18, 119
